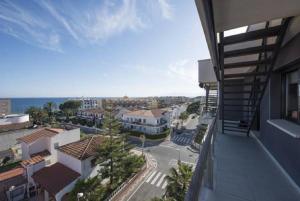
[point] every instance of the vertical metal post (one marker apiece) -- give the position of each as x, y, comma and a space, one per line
221, 56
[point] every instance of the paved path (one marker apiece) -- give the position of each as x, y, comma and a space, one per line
130, 189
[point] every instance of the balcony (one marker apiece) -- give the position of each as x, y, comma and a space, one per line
237, 168
161, 124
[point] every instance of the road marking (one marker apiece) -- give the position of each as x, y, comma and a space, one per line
154, 180
164, 185
181, 140
161, 180
150, 177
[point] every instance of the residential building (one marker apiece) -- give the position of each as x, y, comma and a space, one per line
93, 114
52, 161
152, 121
80, 156
126, 102
253, 140
46, 140
90, 103
167, 101
5, 107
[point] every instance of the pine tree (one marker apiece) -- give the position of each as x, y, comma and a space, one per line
114, 150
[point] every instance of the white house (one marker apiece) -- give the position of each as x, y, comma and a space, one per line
39, 154
75, 160
47, 140
147, 121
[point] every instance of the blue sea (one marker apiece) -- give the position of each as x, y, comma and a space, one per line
20, 105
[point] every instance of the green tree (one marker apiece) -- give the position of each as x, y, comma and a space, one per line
178, 182
114, 151
193, 107
70, 107
49, 107
37, 115
91, 188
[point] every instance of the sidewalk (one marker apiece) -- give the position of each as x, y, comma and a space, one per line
130, 188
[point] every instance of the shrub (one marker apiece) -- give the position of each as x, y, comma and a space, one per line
82, 122
74, 121
162, 135
90, 124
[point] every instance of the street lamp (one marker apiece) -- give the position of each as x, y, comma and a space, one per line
79, 195
178, 154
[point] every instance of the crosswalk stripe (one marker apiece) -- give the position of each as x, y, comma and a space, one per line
176, 137
161, 180
154, 180
149, 178
164, 185
182, 139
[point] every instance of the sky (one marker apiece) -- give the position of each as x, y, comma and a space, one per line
105, 48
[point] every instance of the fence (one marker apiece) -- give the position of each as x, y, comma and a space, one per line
124, 184
204, 167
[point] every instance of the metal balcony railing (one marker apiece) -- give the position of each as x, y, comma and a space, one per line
203, 174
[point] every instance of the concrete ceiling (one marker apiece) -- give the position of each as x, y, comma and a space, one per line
230, 14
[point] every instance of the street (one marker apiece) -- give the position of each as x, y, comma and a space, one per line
166, 154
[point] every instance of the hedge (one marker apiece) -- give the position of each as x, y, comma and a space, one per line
149, 136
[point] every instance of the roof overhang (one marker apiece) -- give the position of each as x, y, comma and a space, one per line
222, 15
206, 72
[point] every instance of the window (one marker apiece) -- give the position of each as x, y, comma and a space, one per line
93, 162
56, 145
292, 100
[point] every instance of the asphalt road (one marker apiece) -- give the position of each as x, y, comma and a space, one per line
167, 154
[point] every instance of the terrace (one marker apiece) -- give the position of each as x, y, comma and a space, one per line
250, 151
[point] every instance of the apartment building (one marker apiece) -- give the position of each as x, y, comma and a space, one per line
90, 103
5, 107
126, 102
96, 113
152, 121
252, 147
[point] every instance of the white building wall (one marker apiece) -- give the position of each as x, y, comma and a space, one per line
25, 151
69, 161
63, 138
39, 145
67, 189
87, 169
14, 119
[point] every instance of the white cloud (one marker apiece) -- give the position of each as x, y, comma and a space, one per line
166, 9
183, 70
49, 24
58, 17
21, 24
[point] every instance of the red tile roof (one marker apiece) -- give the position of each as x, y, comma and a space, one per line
11, 174
84, 148
44, 132
32, 161
55, 177
42, 154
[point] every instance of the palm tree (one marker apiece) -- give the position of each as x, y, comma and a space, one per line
178, 182
37, 115
49, 107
